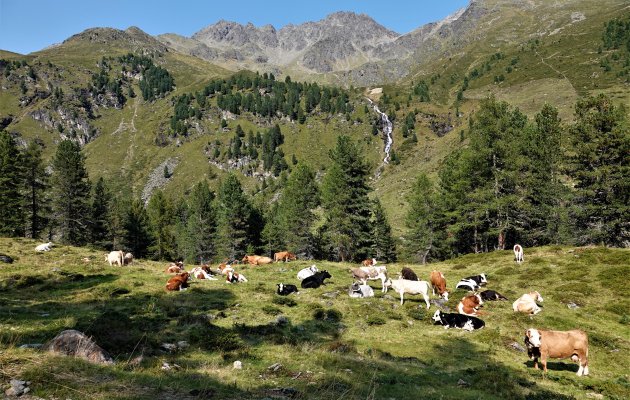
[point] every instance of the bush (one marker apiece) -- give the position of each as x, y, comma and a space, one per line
284, 301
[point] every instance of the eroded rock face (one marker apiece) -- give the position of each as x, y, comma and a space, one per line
74, 343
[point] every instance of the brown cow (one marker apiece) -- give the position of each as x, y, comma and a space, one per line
263, 260
527, 303
250, 259
178, 282
284, 256
438, 282
558, 344
175, 268
469, 305
224, 268
368, 262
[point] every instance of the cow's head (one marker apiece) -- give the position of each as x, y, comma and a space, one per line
437, 317
280, 287
478, 296
325, 274
445, 295
536, 296
532, 338
245, 259
468, 326
483, 279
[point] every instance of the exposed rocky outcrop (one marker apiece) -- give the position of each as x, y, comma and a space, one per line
74, 343
157, 178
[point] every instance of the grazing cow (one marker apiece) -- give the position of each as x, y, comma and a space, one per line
175, 267
235, 277
284, 256
438, 282
371, 273
490, 295
250, 259
178, 282
527, 303
115, 257
368, 262
518, 253
128, 259
357, 290
452, 320
403, 286
472, 283
202, 272
469, 305
306, 272
316, 280
558, 344
408, 274
44, 247
285, 290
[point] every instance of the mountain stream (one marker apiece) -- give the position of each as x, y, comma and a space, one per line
387, 130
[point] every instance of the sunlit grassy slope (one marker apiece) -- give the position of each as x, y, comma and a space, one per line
330, 346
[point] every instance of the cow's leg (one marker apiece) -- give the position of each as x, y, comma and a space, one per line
401, 298
535, 362
543, 361
426, 299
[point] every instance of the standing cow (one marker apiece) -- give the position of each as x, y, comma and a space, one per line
518, 253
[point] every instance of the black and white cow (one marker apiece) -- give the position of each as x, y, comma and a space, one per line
466, 322
472, 282
491, 295
316, 280
285, 290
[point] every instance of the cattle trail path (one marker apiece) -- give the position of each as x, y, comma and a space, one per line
132, 140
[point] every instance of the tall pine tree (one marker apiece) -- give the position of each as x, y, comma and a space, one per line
36, 204
383, 245
160, 212
346, 231
423, 222
201, 225
234, 213
100, 216
11, 216
137, 231
70, 194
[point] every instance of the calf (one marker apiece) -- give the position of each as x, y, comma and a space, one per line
316, 280
451, 320
558, 344
306, 272
438, 282
234, 277
472, 283
202, 272
408, 274
469, 305
527, 303
284, 256
490, 295
175, 268
115, 257
357, 290
178, 282
285, 290
403, 286
45, 247
518, 253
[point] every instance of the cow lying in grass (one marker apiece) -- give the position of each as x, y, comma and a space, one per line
44, 247
175, 267
527, 303
202, 272
365, 274
357, 291
178, 282
285, 290
316, 280
472, 283
306, 272
491, 295
465, 322
469, 305
558, 344
234, 277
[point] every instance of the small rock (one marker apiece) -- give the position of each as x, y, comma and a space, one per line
331, 295
462, 383
348, 370
516, 346
6, 259
74, 343
388, 297
409, 322
237, 365
592, 395
169, 346
274, 367
437, 302
31, 346
167, 367
572, 306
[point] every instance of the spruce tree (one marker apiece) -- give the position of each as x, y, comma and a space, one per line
601, 167
234, 213
137, 232
347, 210
201, 224
422, 221
383, 245
11, 216
36, 204
160, 212
70, 194
100, 216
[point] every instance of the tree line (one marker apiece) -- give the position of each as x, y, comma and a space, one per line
533, 182
201, 226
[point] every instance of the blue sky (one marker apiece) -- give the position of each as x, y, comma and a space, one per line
30, 25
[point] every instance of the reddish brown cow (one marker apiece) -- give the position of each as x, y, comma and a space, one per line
284, 256
438, 282
368, 262
178, 282
469, 305
558, 344
175, 267
251, 259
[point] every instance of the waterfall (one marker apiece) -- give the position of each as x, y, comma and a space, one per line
387, 130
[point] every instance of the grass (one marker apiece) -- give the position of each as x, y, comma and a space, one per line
330, 346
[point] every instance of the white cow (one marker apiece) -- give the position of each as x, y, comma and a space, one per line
518, 253
115, 257
365, 274
306, 272
44, 247
403, 286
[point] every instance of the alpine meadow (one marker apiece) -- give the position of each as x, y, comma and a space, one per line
323, 210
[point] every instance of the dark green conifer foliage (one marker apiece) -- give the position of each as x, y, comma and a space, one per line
201, 225
234, 213
383, 247
100, 216
11, 215
137, 234
422, 222
70, 194
36, 202
346, 230
160, 212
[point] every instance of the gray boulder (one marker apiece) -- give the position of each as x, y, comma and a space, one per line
74, 343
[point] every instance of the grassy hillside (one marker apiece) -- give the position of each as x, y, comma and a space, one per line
330, 346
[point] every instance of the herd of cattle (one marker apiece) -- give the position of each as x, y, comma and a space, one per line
541, 344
